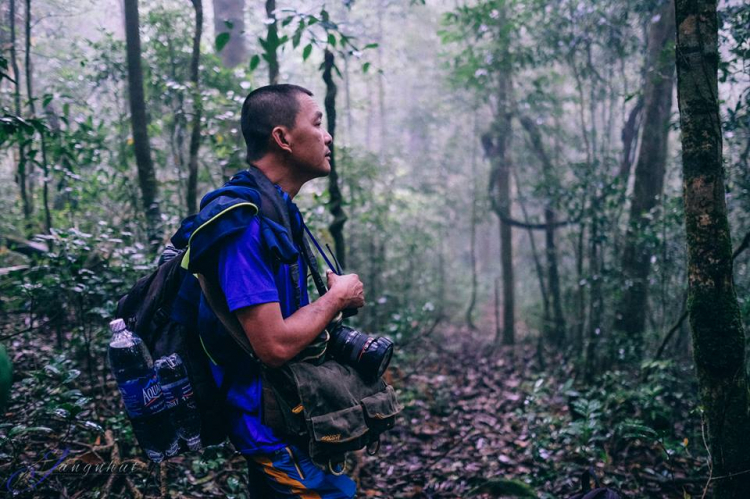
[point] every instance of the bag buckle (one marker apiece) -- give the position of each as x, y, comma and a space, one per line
373, 447
337, 469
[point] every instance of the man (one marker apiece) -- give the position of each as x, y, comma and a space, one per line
282, 127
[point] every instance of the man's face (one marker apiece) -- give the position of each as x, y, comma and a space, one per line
309, 141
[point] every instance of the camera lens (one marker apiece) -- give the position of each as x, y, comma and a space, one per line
376, 356
370, 355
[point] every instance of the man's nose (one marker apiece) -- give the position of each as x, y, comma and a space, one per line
328, 138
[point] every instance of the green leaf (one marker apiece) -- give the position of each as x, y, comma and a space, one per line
229, 24
221, 41
47, 99
254, 61
306, 51
18, 430
365, 67
370, 46
331, 40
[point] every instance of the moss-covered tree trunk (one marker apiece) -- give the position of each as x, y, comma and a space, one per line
649, 176
716, 324
336, 199
139, 123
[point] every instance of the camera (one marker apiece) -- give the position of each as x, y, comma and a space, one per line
369, 355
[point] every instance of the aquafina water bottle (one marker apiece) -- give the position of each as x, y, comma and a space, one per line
180, 399
133, 369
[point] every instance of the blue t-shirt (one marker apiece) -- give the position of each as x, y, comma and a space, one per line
247, 277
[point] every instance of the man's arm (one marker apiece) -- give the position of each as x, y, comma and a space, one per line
276, 340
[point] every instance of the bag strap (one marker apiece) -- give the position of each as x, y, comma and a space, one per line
218, 304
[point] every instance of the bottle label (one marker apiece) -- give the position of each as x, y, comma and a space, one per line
142, 396
181, 391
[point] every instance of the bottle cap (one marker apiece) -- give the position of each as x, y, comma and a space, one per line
117, 326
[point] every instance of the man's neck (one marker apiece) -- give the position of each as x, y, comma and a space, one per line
279, 173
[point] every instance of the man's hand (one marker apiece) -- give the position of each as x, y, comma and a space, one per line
348, 288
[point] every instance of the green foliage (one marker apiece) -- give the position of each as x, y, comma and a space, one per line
53, 406
75, 285
6, 378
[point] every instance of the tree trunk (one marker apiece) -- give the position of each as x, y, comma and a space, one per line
546, 317
272, 40
649, 177
32, 108
473, 230
229, 17
496, 144
596, 299
381, 85
195, 134
629, 138
139, 123
556, 332
717, 331
336, 200
21, 177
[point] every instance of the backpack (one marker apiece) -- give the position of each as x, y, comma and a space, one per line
147, 311
313, 400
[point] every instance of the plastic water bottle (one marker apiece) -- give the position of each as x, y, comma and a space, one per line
133, 369
180, 400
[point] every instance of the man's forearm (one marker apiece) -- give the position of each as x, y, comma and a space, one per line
304, 325
276, 340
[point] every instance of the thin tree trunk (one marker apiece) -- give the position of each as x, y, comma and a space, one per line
630, 316
21, 176
547, 319
381, 84
473, 229
139, 123
272, 39
596, 299
177, 129
32, 108
557, 332
717, 331
336, 199
229, 17
195, 134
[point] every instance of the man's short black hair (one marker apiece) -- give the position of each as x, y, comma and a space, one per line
265, 108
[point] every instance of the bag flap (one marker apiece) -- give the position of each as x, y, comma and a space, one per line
340, 426
382, 405
330, 387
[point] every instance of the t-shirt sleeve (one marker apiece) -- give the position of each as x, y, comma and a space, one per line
245, 273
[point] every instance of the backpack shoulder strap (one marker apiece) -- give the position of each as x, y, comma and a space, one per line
218, 304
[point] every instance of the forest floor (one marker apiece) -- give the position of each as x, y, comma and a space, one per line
476, 423
479, 423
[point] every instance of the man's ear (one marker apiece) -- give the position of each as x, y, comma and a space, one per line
280, 136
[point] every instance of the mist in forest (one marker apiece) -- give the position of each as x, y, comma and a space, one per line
547, 203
